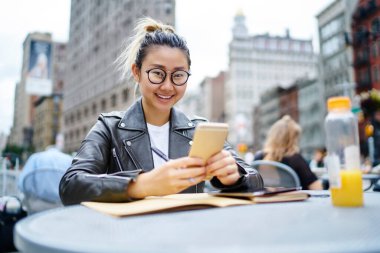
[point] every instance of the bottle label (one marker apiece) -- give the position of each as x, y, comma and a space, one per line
333, 168
352, 157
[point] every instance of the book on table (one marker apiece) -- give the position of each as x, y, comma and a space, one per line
191, 201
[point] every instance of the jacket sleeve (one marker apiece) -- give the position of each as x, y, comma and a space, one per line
87, 178
250, 179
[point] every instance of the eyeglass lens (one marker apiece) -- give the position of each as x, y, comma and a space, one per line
157, 76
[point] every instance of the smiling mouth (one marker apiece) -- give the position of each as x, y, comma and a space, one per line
164, 97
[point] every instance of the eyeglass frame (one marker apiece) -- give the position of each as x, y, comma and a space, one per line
171, 76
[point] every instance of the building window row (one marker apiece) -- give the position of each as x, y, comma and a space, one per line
332, 27
113, 101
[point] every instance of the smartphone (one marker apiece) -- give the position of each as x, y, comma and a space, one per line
209, 138
264, 192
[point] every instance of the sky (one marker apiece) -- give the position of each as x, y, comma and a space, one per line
205, 24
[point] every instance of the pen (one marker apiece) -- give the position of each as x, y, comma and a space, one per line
160, 153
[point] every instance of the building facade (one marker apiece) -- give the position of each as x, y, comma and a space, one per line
310, 116
24, 112
256, 64
266, 113
301, 101
366, 44
212, 90
93, 85
48, 121
334, 27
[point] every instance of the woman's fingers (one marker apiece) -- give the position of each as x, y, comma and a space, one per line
224, 167
226, 170
187, 182
185, 173
185, 162
219, 161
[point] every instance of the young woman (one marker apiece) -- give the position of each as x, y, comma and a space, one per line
281, 145
143, 151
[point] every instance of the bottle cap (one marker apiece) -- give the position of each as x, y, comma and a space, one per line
338, 103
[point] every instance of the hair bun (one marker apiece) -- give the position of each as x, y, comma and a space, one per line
152, 28
160, 27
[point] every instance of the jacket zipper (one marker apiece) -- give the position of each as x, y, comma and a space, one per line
132, 157
114, 153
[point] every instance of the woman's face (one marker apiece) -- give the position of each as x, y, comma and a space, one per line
162, 96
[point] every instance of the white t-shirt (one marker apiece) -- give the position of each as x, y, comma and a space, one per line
159, 138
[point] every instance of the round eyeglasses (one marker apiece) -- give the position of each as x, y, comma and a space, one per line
158, 76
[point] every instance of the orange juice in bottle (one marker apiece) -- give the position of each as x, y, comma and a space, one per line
351, 191
343, 154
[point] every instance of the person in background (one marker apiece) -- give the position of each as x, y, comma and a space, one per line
143, 151
52, 158
317, 161
376, 136
281, 145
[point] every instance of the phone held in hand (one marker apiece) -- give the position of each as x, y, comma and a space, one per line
208, 139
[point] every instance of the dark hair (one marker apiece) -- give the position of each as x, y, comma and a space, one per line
160, 38
148, 33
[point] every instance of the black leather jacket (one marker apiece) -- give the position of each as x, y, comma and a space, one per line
117, 149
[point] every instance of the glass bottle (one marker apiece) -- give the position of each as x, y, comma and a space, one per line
343, 154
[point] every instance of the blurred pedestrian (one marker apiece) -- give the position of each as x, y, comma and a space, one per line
318, 158
142, 151
53, 159
281, 145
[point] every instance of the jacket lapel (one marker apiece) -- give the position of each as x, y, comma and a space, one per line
136, 137
180, 136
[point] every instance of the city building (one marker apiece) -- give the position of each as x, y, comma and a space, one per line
212, 90
310, 116
334, 27
366, 45
3, 142
192, 103
266, 113
93, 85
48, 120
258, 63
301, 101
41, 75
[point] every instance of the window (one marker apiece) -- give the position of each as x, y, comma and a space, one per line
113, 100
72, 118
376, 73
125, 95
103, 104
375, 26
94, 108
79, 115
86, 111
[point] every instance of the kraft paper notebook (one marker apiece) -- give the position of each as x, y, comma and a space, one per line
179, 202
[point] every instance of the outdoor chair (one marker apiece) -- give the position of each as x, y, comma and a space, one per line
41, 190
276, 174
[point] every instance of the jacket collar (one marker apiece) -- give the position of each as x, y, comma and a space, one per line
178, 120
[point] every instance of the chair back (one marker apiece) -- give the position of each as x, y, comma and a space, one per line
276, 174
41, 190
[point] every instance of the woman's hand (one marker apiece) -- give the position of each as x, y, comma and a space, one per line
172, 177
223, 166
